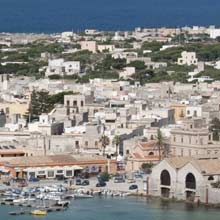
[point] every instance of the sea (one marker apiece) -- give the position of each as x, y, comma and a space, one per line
52, 16
129, 208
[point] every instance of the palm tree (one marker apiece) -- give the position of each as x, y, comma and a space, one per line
104, 140
116, 141
161, 142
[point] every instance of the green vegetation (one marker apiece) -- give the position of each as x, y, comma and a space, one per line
216, 185
215, 128
205, 52
104, 140
42, 102
153, 46
147, 167
139, 65
212, 72
104, 176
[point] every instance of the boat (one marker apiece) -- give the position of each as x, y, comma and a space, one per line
68, 196
39, 212
82, 196
62, 203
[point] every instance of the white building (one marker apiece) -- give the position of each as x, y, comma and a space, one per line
188, 58
60, 67
46, 126
214, 33
193, 111
89, 45
186, 179
127, 72
106, 47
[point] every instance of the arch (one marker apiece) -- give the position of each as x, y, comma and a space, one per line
190, 181
210, 178
151, 153
165, 178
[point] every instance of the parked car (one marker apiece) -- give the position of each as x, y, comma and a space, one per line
138, 176
132, 187
78, 182
22, 184
33, 179
85, 183
131, 180
7, 183
101, 184
119, 179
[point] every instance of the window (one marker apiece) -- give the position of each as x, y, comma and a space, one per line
211, 178
96, 143
67, 102
82, 103
182, 152
188, 112
69, 173
32, 174
127, 152
86, 143
59, 171
195, 114
41, 172
75, 103
77, 144
174, 139
181, 139
50, 173
201, 141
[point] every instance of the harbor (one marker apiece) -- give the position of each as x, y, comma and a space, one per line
120, 208
45, 199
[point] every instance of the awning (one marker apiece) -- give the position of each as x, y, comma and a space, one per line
76, 167
3, 170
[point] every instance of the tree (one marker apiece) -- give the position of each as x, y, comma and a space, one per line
139, 65
215, 128
104, 140
116, 141
42, 102
147, 167
161, 143
39, 104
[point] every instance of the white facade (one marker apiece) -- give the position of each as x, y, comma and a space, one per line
105, 47
186, 179
214, 33
127, 71
188, 58
89, 45
193, 111
61, 68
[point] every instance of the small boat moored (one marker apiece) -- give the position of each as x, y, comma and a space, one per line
39, 212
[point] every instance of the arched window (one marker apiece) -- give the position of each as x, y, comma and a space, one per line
211, 178
190, 181
151, 153
165, 178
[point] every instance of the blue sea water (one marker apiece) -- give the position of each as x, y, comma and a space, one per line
121, 209
63, 15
